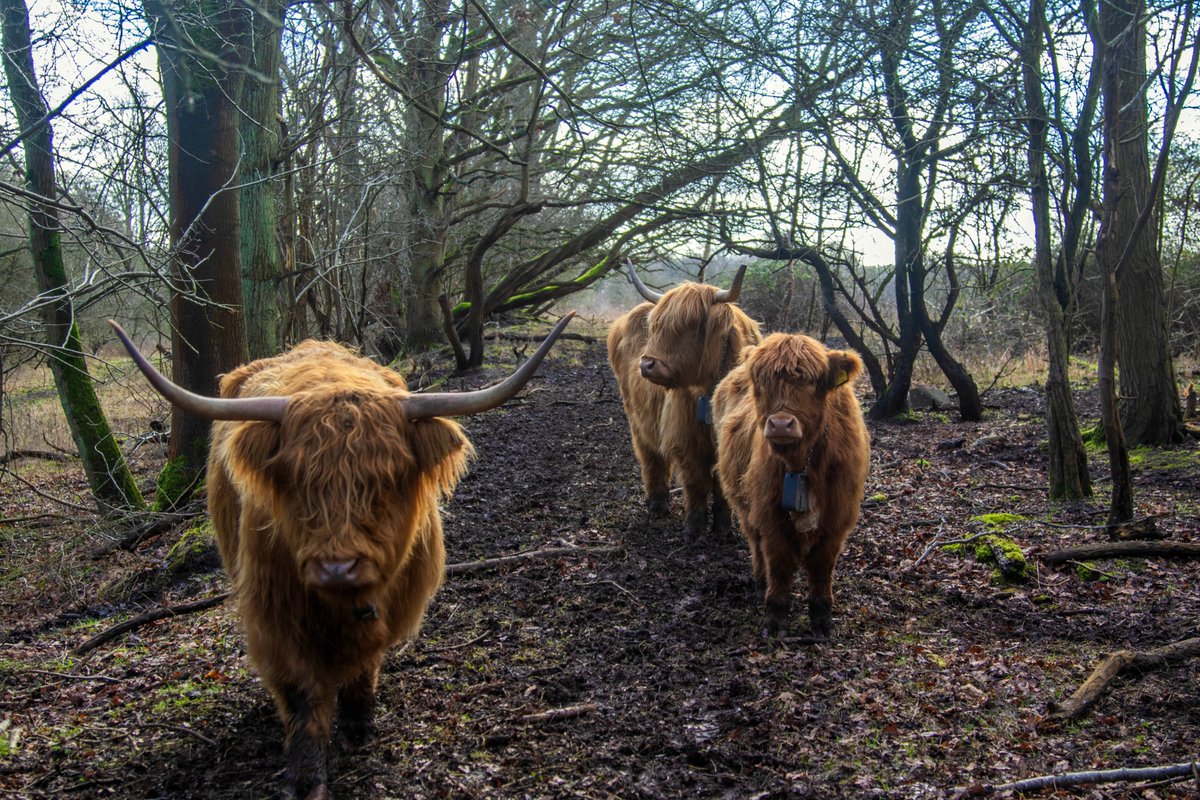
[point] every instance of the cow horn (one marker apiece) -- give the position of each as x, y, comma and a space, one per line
730, 295
463, 404
269, 409
644, 290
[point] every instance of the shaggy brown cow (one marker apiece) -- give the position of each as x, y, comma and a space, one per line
324, 478
668, 355
793, 461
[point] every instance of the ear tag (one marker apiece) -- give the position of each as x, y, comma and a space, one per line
840, 377
704, 410
795, 491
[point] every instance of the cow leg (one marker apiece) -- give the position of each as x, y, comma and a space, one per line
356, 707
656, 478
722, 519
819, 565
307, 716
781, 566
696, 489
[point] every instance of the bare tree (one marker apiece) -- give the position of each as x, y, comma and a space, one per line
111, 482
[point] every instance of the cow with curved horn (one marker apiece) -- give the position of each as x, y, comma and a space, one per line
324, 478
668, 355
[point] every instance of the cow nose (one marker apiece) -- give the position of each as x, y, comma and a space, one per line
782, 426
649, 367
336, 573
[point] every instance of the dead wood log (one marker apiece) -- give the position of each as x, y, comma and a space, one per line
1114, 666
488, 563
1067, 780
46, 455
147, 618
1129, 549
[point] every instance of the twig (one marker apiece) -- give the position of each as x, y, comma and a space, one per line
1122, 775
147, 618
488, 563
68, 676
1092, 569
936, 543
158, 523
179, 729
566, 712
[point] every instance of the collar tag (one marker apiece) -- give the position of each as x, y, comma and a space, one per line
704, 410
367, 613
795, 492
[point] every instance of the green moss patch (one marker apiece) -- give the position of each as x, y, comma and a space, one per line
996, 523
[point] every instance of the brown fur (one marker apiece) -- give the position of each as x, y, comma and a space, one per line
695, 341
793, 375
344, 476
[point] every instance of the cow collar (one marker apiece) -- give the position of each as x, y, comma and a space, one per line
704, 402
795, 484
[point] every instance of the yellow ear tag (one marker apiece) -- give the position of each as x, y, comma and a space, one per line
840, 377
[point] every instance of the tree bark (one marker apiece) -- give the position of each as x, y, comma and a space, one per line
112, 485
1150, 410
208, 329
260, 133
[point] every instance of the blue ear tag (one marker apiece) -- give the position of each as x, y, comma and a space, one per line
795, 491
704, 410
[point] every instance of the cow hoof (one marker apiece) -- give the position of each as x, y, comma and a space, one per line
354, 734
293, 791
691, 534
658, 505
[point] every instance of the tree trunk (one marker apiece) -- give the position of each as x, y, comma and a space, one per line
1068, 470
208, 329
429, 205
894, 400
108, 475
1150, 409
261, 265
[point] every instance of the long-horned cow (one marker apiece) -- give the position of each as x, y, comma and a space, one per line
668, 355
793, 461
324, 478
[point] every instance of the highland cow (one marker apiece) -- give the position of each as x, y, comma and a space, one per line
668, 355
324, 478
793, 461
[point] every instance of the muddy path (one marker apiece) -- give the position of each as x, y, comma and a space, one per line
633, 666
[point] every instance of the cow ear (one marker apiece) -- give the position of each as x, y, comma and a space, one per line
441, 451
844, 366
250, 453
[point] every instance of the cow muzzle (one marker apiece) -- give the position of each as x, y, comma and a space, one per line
347, 574
782, 430
655, 371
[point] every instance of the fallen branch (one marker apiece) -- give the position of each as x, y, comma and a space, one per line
566, 712
1114, 666
46, 455
147, 618
489, 563
1122, 775
1129, 549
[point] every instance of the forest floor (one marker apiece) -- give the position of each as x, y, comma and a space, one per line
936, 678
